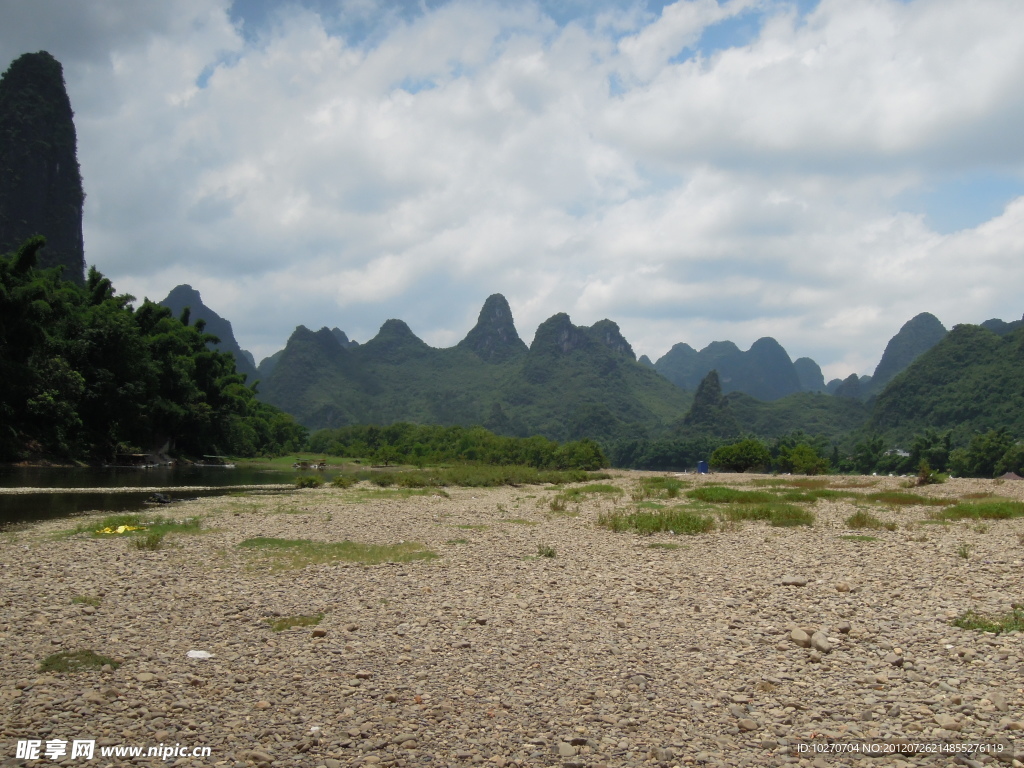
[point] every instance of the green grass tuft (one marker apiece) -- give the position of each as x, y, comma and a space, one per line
308, 481
675, 519
862, 519
151, 542
86, 600
75, 661
858, 537
664, 545
984, 510
718, 494
298, 553
1010, 622
901, 499
543, 550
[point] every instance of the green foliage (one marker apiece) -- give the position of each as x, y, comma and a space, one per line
75, 661
298, 553
901, 499
985, 510
777, 514
84, 375
862, 519
1010, 622
677, 520
422, 444
742, 456
308, 481
150, 542
543, 550
710, 413
928, 476
718, 494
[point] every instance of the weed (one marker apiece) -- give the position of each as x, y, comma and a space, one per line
1010, 622
862, 519
964, 551
543, 550
981, 528
289, 622
985, 510
75, 661
858, 537
664, 545
901, 499
309, 481
151, 542
718, 494
558, 504
674, 520
86, 600
518, 521
298, 553
788, 516
457, 541
343, 481
468, 527
928, 476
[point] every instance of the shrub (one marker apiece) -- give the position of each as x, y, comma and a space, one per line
75, 661
1010, 622
862, 519
986, 510
674, 520
288, 622
151, 542
545, 551
742, 456
309, 481
343, 481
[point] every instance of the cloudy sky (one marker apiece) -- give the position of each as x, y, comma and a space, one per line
819, 171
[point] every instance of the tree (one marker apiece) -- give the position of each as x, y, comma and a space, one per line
742, 456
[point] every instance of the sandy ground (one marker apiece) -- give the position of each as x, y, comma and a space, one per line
611, 653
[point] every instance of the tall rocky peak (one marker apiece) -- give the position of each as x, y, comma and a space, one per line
557, 335
394, 343
765, 371
710, 412
183, 296
606, 332
494, 337
917, 336
343, 338
810, 375
40, 182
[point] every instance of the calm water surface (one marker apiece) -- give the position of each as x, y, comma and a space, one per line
26, 507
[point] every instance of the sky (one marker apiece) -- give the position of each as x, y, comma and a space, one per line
818, 171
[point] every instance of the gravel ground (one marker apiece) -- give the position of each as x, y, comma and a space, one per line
611, 653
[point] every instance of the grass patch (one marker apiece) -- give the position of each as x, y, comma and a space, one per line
795, 483
151, 542
777, 514
673, 520
658, 488
901, 499
964, 551
298, 553
135, 524
457, 541
984, 510
664, 545
858, 537
1009, 622
862, 519
469, 527
75, 661
543, 550
86, 600
290, 622
308, 481
518, 521
719, 494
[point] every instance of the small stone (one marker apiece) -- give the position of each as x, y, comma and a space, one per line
364, 675
566, 750
620, 623
998, 701
330, 762
88, 610
145, 677
746, 724
894, 711
895, 659
263, 704
844, 628
843, 586
351, 627
319, 632
948, 722
814, 656
481, 620
663, 754
794, 581
801, 638
820, 643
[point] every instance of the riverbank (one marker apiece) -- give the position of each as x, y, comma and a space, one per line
615, 650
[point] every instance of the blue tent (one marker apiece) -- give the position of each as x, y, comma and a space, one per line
702, 467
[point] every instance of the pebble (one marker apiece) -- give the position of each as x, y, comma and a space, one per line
613, 654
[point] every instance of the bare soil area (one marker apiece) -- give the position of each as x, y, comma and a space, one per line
618, 650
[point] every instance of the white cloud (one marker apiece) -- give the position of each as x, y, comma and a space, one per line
300, 176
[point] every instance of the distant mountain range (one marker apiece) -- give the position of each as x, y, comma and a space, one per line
576, 381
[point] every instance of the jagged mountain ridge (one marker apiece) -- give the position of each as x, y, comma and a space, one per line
572, 381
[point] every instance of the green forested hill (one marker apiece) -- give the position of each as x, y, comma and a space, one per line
971, 381
571, 382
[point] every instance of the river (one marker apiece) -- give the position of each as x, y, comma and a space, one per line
42, 493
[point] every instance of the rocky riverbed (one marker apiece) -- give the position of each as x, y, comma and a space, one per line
746, 646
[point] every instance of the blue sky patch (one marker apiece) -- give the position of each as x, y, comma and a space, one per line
963, 201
